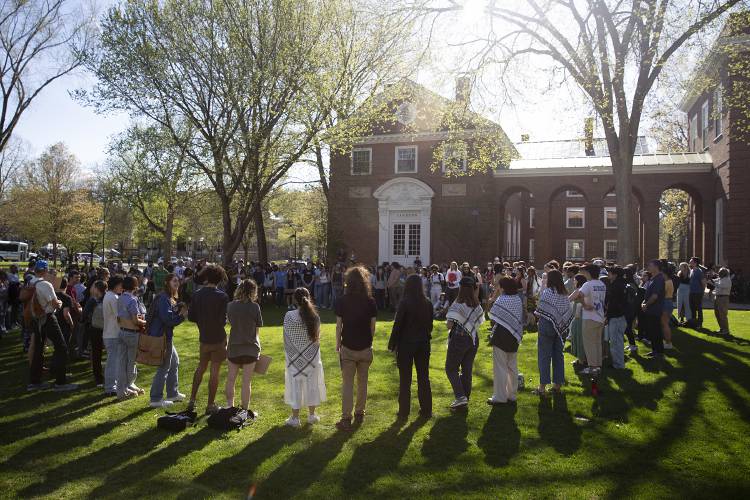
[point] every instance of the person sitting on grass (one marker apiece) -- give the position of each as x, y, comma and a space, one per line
304, 384
208, 310
245, 318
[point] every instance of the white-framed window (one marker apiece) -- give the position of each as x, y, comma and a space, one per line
574, 249
572, 193
575, 217
362, 161
406, 159
693, 134
454, 158
610, 250
718, 112
399, 239
532, 217
610, 217
531, 249
611, 194
704, 123
415, 239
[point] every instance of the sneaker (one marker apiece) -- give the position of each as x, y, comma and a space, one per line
65, 387
344, 425
99, 386
493, 402
211, 409
587, 371
161, 404
126, 396
37, 387
646, 341
459, 403
359, 417
110, 394
668, 345
292, 422
633, 349
313, 419
176, 399
136, 389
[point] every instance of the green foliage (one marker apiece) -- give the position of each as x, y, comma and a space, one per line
304, 213
674, 223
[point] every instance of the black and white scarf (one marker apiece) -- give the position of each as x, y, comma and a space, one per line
508, 312
556, 309
301, 353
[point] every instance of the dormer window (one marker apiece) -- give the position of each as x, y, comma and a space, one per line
406, 159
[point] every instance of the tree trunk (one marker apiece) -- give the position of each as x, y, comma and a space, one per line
321, 168
168, 230
622, 167
260, 230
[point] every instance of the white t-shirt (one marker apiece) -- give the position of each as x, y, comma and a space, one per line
595, 293
453, 278
45, 293
109, 310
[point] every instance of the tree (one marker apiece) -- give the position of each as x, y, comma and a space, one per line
303, 213
674, 220
252, 79
40, 42
613, 50
154, 176
12, 159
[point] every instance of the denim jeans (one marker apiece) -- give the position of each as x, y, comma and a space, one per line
49, 331
280, 297
550, 351
325, 295
615, 331
683, 302
126, 369
112, 347
460, 357
167, 373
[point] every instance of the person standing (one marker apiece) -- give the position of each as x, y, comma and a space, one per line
93, 322
592, 295
722, 290
111, 334
159, 276
208, 310
356, 316
453, 282
616, 307
279, 280
337, 283
653, 307
464, 317
324, 278
410, 341
379, 288
395, 288
304, 383
506, 315
166, 313
245, 318
667, 271
555, 315
684, 314
697, 289
131, 318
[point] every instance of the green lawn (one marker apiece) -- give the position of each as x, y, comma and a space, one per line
679, 432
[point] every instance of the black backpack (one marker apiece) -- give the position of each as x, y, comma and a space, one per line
176, 422
230, 419
632, 303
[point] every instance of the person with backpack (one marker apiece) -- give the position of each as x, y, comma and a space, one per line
437, 282
304, 383
506, 315
464, 318
111, 334
42, 303
93, 322
131, 318
163, 315
208, 310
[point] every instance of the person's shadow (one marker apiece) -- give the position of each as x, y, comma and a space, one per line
556, 425
501, 438
447, 440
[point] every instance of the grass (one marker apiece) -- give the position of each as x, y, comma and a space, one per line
678, 432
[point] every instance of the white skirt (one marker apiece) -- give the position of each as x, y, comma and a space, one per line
302, 391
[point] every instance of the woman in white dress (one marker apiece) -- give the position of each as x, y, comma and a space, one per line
303, 379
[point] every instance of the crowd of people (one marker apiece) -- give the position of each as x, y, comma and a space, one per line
593, 306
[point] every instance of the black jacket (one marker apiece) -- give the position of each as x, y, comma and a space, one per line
413, 323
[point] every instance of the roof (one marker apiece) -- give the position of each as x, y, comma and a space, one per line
571, 148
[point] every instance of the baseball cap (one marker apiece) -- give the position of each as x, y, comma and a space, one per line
41, 265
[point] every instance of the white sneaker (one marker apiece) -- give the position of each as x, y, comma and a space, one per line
292, 422
313, 419
633, 349
668, 345
161, 404
587, 371
176, 399
459, 403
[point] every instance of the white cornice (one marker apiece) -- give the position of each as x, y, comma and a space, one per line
426, 136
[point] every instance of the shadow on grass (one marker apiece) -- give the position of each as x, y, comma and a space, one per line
501, 439
447, 440
556, 425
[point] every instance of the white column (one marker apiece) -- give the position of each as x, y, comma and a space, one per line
424, 220
384, 230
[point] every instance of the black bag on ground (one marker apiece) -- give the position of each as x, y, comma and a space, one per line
230, 419
176, 422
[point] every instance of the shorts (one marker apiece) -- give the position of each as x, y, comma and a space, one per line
243, 360
213, 352
668, 306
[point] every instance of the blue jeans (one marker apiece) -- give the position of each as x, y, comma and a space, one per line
318, 294
110, 369
166, 373
126, 369
280, 297
615, 331
325, 295
459, 363
550, 350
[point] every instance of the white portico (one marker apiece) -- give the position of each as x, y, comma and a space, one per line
404, 206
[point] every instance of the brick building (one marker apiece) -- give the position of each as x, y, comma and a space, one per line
555, 199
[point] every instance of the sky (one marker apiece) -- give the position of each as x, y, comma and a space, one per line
544, 112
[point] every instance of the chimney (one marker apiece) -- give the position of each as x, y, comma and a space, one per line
588, 131
524, 137
463, 90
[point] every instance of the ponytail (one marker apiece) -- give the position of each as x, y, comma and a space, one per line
308, 313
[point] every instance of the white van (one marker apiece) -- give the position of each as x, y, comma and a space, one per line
14, 251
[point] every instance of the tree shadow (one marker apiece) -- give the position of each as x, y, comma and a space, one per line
447, 440
287, 481
380, 456
501, 437
556, 425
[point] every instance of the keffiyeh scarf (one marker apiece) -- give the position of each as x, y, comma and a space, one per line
556, 309
300, 351
468, 317
508, 312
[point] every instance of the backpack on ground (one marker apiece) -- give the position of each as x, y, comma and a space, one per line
230, 419
176, 422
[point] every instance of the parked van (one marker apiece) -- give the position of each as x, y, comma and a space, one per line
14, 251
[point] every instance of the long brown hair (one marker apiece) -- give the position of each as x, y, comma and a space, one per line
466, 296
555, 281
308, 313
357, 282
166, 288
247, 291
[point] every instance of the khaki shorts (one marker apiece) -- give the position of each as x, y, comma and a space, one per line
213, 352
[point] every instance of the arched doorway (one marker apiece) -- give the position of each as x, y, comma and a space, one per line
680, 233
517, 217
404, 214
